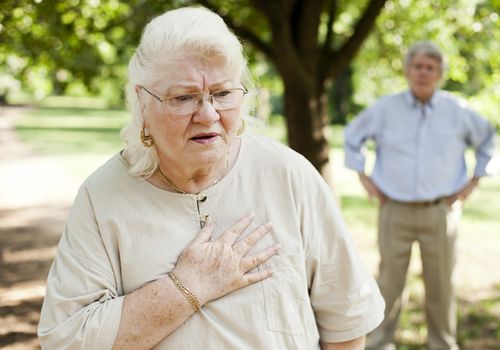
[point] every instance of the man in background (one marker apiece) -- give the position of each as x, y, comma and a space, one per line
420, 180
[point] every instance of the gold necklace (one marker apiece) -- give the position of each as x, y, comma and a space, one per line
174, 188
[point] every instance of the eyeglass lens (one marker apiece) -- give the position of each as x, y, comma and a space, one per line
221, 100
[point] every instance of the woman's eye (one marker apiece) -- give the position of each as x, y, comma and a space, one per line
222, 93
183, 98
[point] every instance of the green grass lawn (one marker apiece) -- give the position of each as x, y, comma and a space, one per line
81, 139
56, 131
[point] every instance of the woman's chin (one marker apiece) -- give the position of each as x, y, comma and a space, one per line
209, 153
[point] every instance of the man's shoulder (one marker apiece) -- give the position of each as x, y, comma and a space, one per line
390, 103
450, 99
400, 97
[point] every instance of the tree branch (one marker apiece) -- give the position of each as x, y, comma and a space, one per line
241, 31
246, 34
270, 8
332, 12
308, 14
278, 13
345, 54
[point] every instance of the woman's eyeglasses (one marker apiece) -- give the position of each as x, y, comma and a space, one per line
190, 103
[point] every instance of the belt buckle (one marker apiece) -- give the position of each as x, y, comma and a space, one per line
431, 203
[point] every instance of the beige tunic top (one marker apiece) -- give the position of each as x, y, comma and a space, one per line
123, 233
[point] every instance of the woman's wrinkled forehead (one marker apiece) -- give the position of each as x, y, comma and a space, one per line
195, 72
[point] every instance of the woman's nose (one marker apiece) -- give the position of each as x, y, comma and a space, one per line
207, 112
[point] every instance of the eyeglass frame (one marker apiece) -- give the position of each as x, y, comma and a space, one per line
210, 96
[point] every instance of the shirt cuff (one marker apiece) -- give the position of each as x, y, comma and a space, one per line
109, 328
370, 322
355, 164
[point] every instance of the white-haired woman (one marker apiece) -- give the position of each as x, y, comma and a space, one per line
169, 245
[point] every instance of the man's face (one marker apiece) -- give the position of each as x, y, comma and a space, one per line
423, 75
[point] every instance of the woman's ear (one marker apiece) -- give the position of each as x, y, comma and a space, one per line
139, 99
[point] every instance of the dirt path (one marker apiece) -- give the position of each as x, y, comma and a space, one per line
35, 194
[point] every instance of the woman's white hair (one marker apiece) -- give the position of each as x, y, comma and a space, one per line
166, 40
426, 48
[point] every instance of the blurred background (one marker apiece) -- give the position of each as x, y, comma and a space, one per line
63, 69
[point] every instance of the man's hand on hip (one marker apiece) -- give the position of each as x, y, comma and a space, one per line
464, 193
372, 189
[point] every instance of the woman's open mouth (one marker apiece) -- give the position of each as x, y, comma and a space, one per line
205, 138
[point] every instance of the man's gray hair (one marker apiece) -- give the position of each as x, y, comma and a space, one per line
166, 40
426, 48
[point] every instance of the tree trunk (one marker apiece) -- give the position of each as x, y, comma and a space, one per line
3, 99
305, 110
341, 101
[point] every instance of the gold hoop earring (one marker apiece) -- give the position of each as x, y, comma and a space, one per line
241, 130
147, 140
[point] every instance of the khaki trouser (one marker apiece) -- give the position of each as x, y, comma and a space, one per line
434, 227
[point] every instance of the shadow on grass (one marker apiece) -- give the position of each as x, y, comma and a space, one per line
478, 323
28, 237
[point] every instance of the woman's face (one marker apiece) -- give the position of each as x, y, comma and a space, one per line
196, 139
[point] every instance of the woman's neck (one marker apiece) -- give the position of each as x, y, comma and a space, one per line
195, 180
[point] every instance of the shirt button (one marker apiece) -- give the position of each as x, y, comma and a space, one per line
203, 218
201, 198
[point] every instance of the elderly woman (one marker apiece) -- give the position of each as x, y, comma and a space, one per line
170, 245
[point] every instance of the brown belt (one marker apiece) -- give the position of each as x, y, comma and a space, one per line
421, 203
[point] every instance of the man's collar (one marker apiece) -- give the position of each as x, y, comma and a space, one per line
414, 102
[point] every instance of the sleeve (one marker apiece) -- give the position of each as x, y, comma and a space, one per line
344, 295
481, 136
82, 306
356, 133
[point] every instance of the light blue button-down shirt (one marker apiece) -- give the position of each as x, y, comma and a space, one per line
419, 148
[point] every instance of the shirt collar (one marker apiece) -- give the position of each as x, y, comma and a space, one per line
413, 102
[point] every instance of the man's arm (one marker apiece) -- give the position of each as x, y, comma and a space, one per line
482, 136
354, 344
464, 193
356, 133
371, 188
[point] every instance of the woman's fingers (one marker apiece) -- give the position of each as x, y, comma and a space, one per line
231, 235
250, 262
244, 245
205, 233
257, 276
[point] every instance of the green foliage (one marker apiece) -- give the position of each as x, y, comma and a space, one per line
74, 46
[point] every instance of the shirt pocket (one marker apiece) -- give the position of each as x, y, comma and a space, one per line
286, 296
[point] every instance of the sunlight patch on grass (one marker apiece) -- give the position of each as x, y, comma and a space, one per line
56, 131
